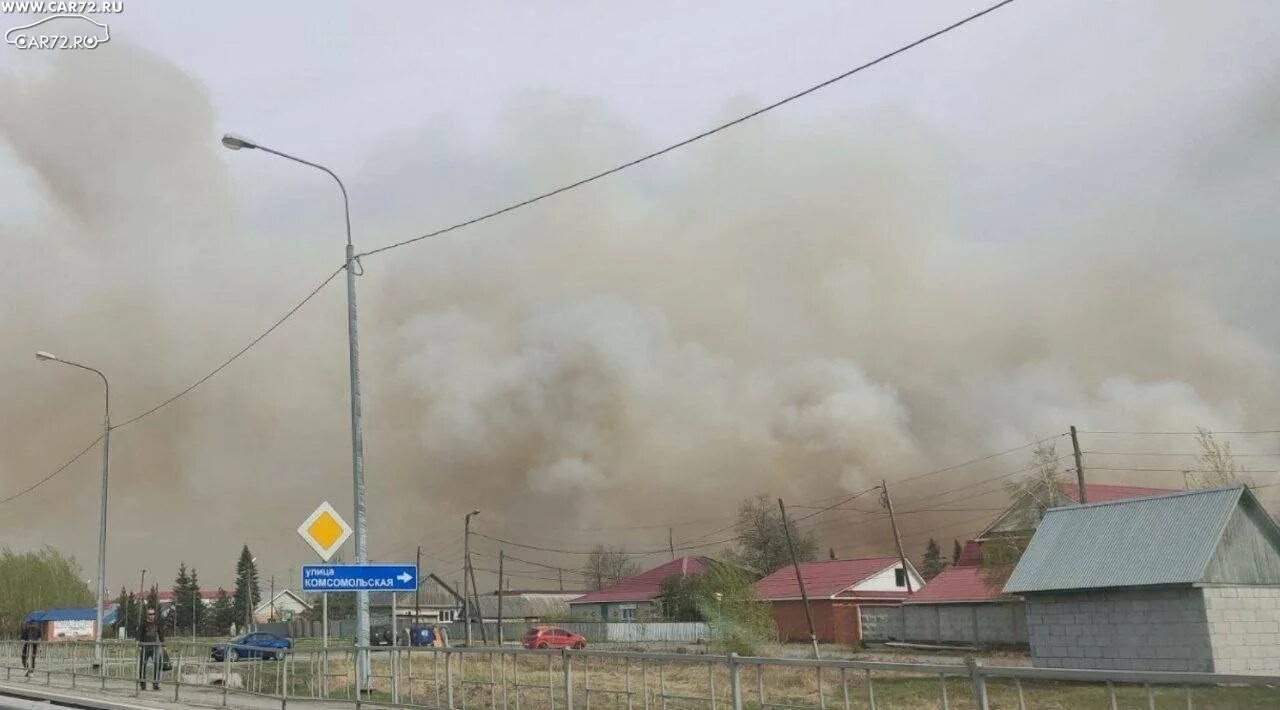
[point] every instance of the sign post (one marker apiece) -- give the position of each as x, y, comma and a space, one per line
325, 531
373, 577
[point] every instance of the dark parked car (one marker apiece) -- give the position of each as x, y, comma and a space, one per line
255, 645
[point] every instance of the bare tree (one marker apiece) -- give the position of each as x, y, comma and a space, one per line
608, 565
762, 540
1217, 466
1032, 495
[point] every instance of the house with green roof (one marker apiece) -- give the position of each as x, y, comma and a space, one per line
1181, 582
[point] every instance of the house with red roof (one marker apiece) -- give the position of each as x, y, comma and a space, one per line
837, 590
636, 598
1014, 519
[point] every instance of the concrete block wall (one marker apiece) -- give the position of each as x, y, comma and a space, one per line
1003, 624
1123, 629
881, 623
1244, 628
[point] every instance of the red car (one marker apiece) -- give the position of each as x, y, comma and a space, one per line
552, 637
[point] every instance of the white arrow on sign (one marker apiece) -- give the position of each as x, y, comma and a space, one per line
404, 577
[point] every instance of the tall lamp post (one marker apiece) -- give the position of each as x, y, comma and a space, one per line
102, 504
234, 142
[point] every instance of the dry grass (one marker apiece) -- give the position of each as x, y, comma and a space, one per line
490, 681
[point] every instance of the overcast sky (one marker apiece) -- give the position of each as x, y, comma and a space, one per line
1042, 123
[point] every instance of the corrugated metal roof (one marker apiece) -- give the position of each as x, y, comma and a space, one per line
1105, 492
108, 615
646, 585
1144, 541
957, 584
823, 579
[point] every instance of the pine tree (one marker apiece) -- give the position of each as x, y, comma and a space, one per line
153, 602
198, 615
182, 598
932, 564
223, 613
124, 610
248, 593
955, 552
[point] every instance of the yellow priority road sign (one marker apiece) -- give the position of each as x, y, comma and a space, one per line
325, 531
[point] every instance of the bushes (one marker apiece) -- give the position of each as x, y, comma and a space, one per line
44, 579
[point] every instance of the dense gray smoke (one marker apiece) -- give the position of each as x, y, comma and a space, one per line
794, 307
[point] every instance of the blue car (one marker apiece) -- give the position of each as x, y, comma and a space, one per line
256, 645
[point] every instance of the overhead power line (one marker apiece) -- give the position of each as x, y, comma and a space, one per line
185, 391
1183, 433
694, 138
56, 471
551, 193
280, 321
1197, 454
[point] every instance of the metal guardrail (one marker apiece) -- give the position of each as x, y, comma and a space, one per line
508, 677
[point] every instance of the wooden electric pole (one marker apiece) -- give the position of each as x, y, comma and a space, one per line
1075, 446
500, 560
467, 577
795, 562
671, 543
897, 539
475, 606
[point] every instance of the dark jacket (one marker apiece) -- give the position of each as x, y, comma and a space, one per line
150, 632
31, 631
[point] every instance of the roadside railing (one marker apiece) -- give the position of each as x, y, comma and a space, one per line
216, 674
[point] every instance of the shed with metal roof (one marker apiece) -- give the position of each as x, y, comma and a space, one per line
1181, 582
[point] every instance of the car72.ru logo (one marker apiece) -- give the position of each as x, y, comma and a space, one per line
59, 32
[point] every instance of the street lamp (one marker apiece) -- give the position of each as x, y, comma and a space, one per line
234, 142
466, 571
45, 356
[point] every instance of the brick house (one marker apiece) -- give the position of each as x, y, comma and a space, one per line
837, 590
1181, 582
635, 598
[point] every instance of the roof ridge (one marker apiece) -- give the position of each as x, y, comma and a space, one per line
1173, 494
852, 559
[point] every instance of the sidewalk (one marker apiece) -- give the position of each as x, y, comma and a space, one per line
119, 696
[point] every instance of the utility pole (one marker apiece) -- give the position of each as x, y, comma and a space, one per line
417, 591
804, 596
671, 543
897, 539
195, 608
466, 571
475, 607
1075, 446
273, 599
560, 575
500, 595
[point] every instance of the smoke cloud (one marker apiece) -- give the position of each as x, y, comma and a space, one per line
794, 307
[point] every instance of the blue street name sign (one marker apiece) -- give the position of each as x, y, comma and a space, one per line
359, 578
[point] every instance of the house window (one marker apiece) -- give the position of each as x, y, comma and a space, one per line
627, 612
446, 616
900, 577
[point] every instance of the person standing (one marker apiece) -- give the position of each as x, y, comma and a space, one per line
30, 645
150, 650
